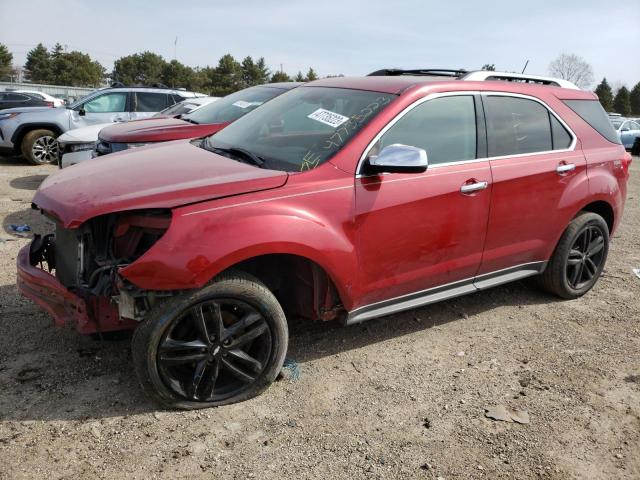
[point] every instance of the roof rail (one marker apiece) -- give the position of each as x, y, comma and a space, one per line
436, 72
486, 75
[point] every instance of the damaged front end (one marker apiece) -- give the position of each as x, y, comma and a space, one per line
74, 273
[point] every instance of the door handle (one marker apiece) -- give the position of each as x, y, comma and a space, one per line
565, 167
473, 187
119, 119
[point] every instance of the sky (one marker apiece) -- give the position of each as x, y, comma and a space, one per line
350, 37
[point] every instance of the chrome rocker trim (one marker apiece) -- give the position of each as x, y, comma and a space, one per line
443, 292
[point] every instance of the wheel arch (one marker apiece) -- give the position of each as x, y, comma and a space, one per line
302, 286
602, 208
22, 130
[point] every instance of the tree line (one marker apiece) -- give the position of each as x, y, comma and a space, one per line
74, 68
58, 67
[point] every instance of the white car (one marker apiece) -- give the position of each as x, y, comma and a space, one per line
77, 145
45, 96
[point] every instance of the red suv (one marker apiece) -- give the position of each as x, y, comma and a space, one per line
201, 122
345, 198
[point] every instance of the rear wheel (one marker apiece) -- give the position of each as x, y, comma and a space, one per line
40, 147
222, 344
579, 257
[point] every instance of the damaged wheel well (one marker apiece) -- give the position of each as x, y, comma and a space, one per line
302, 287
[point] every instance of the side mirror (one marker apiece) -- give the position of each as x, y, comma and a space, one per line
398, 158
82, 112
624, 129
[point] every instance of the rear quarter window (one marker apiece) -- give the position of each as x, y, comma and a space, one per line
592, 112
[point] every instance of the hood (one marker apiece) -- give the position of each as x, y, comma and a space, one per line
26, 110
157, 176
157, 130
83, 135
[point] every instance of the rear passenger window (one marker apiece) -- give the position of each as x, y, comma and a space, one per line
516, 126
592, 112
560, 137
152, 102
444, 127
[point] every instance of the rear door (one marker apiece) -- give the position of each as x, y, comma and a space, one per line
538, 176
419, 231
146, 104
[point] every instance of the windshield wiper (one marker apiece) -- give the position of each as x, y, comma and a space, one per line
186, 119
237, 151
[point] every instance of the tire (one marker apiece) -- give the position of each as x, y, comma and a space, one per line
178, 368
40, 147
562, 276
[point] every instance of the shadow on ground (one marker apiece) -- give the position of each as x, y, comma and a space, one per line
52, 373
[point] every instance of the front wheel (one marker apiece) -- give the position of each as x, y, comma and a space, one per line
579, 257
222, 344
40, 147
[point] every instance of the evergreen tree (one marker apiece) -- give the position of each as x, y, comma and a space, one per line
226, 78
280, 77
635, 99
262, 72
491, 67
38, 64
5, 61
299, 77
622, 101
311, 75
603, 90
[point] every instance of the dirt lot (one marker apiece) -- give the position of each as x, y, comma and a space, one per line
391, 398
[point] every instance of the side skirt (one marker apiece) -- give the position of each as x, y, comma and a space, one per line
444, 292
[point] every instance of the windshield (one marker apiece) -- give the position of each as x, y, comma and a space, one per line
179, 108
303, 128
234, 106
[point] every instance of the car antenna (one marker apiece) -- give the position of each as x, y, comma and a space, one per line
525, 66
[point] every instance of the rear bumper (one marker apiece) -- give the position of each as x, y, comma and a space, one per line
44, 289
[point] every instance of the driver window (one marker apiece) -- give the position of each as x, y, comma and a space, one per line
110, 102
445, 127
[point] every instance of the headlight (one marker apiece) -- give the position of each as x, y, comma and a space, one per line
7, 116
135, 145
79, 147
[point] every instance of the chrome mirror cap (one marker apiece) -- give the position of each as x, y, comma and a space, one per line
398, 158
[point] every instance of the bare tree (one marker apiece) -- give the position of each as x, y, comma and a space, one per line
569, 66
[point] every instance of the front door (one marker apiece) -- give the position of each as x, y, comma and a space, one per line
105, 108
419, 231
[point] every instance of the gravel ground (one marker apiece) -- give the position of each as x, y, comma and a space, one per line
399, 397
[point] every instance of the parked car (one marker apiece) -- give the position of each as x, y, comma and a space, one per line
186, 106
57, 102
21, 100
79, 144
345, 198
33, 131
204, 121
627, 129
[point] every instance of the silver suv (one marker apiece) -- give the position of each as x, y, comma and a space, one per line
32, 131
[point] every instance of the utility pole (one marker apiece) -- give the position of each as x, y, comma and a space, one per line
175, 46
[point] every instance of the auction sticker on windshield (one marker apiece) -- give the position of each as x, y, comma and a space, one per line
328, 117
243, 104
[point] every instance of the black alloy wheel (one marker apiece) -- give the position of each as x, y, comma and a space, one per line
214, 350
585, 257
579, 257
221, 344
